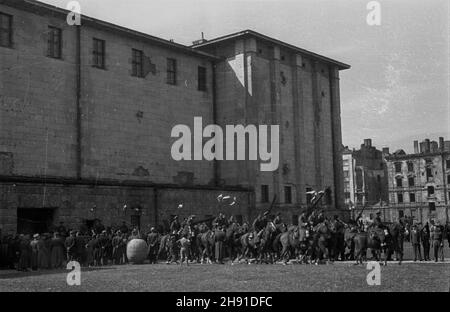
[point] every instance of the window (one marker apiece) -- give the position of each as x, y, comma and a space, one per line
136, 221
410, 167
288, 194
347, 195
328, 200
201, 78
410, 181
5, 30
432, 206
264, 193
430, 190
429, 173
371, 216
448, 179
294, 219
428, 162
99, 53
447, 163
398, 167
346, 175
171, 71
400, 198
400, 214
412, 197
137, 63
308, 196
399, 182
54, 42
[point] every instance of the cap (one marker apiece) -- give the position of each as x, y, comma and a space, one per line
35, 235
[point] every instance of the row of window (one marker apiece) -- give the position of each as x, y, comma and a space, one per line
411, 180
54, 50
428, 162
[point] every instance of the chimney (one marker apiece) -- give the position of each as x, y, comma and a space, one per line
368, 142
385, 151
416, 147
427, 145
200, 41
441, 144
422, 147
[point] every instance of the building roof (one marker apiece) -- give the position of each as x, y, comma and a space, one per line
251, 33
37, 7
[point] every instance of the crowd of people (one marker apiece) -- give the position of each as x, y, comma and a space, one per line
102, 245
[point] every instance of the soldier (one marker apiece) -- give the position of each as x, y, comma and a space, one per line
415, 241
425, 239
277, 219
70, 246
175, 225
34, 252
116, 242
152, 242
437, 239
185, 244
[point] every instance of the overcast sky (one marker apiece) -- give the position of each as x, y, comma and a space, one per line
398, 87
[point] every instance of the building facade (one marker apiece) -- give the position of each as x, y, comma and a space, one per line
87, 111
365, 180
419, 182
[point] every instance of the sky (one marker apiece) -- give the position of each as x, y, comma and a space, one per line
398, 87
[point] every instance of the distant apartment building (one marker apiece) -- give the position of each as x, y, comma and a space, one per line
419, 182
365, 179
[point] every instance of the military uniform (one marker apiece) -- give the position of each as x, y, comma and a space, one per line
415, 241
425, 240
437, 239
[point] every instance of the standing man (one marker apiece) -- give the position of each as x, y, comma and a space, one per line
175, 225
152, 242
70, 246
425, 239
437, 238
415, 241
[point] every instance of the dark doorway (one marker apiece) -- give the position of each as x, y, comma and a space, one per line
34, 220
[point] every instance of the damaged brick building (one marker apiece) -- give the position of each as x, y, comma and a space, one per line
86, 114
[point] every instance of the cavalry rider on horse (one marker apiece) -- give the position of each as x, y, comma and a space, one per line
377, 223
260, 222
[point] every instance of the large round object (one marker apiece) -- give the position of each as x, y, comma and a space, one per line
137, 250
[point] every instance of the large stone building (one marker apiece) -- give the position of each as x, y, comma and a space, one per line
419, 182
365, 179
86, 114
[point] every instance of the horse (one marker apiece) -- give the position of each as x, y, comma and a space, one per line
249, 244
291, 243
267, 236
206, 242
321, 241
395, 241
232, 240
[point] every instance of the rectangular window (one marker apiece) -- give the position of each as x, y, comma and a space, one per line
432, 206
410, 166
448, 179
295, 220
171, 71
137, 63
429, 173
264, 193
447, 163
347, 195
201, 78
308, 196
400, 214
410, 181
99, 53
399, 182
54, 49
288, 194
412, 197
430, 190
5, 30
346, 174
400, 198
398, 167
